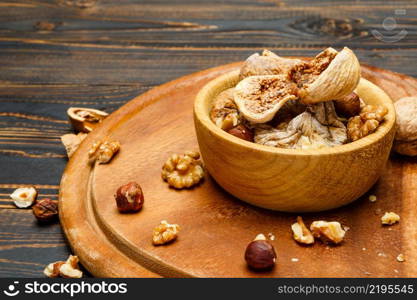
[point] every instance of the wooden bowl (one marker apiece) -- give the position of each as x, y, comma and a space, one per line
292, 180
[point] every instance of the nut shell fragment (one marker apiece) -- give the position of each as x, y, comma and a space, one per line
85, 119
72, 142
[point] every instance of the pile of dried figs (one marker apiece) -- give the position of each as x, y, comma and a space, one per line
294, 104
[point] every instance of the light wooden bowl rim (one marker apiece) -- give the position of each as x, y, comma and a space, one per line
219, 84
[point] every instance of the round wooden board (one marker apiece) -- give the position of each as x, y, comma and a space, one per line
215, 227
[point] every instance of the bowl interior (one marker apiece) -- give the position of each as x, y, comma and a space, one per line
370, 94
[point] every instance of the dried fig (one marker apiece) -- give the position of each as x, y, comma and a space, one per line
224, 112
330, 75
260, 97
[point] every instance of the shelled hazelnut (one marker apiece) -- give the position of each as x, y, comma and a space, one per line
242, 132
260, 254
129, 198
24, 197
45, 210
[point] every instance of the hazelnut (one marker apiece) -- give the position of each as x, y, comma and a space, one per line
348, 106
24, 197
260, 254
242, 132
45, 210
129, 197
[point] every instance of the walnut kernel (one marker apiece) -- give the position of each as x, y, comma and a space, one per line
165, 233
390, 218
367, 122
24, 197
65, 269
328, 231
301, 233
183, 171
103, 152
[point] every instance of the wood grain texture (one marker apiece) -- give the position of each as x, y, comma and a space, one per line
215, 225
55, 54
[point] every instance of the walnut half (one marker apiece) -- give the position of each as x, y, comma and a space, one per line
301, 233
183, 171
165, 233
103, 152
367, 122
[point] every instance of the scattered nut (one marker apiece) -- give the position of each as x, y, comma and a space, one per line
242, 132
70, 268
129, 197
372, 198
183, 171
406, 119
165, 233
301, 233
348, 106
45, 210
65, 269
401, 257
24, 197
85, 119
260, 254
52, 270
103, 152
390, 218
328, 231
72, 142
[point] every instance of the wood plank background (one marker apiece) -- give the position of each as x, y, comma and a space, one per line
63, 53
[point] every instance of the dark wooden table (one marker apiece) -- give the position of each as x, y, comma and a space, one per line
58, 54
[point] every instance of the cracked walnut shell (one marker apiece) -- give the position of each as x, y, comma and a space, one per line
165, 233
183, 171
328, 231
85, 119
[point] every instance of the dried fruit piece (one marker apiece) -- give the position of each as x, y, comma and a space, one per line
328, 231
406, 119
224, 112
72, 142
129, 197
165, 233
45, 210
85, 119
268, 63
260, 97
24, 197
330, 75
183, 171
367, 122
390, 218
103, 152
301, 233
348, 106
316, 128
242, 132
260, 254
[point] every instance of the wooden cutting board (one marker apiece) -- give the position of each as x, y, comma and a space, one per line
215, 227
